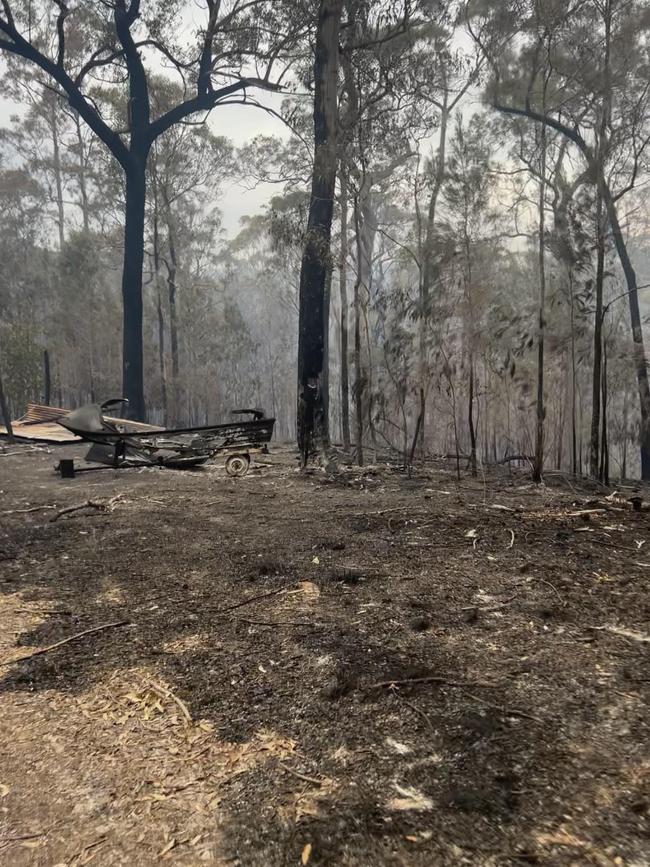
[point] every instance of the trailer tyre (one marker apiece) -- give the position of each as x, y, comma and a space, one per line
238, 465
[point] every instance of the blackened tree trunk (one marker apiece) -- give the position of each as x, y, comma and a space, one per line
640, 362
470, 418
47, 378
604, 457
312, 422
594, 448
132, 355
172, 290
345, 333
359, 376
538, 464
159, 305
4, 409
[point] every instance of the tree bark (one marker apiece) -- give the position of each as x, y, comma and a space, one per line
470, 417
132, 354
345, 337
47, 378
604, 457
359, 380
4, 409
312, 421
637, 332
601, 151
538, 465
594, 447
429, 267
159, 305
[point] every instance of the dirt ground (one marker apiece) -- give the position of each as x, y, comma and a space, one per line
362, 669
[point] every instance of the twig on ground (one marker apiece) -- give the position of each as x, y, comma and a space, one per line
307, 779
512, 539
391, 684
89, 504
581, 512
14, 838
42, 650
506, 711
254, 598
279, 623
27, 511
163, 692
416, 710
543, 581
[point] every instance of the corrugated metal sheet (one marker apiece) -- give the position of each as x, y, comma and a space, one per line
38, 424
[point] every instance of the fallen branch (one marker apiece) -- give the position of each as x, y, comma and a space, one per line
78, 635
168, 694
548, 584
506, 711
416, 710
89, 504
280, 623
313, 780
252, 599
582, 512
27, 511
512, 539
13, 838
391, 684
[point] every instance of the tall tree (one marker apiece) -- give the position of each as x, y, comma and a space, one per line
312, 420
554, 58
120, 34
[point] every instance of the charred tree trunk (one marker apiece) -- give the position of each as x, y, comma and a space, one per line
4, 409
327, 302
359, 379
470, 418
312, 419
538, 464
429, 268
47, 378
172, 292
132, 354
594, 447
637, 332
604, 457
159, 307
343, 289
574, 442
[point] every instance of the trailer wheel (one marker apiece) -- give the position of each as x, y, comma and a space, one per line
238, 465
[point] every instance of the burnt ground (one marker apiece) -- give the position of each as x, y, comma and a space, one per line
445, 673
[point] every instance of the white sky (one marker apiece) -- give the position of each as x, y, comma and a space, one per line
241, 123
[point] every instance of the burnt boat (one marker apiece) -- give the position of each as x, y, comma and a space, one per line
117, 443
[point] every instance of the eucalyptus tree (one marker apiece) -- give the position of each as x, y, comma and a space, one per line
581, 69
217, 52
388, 80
